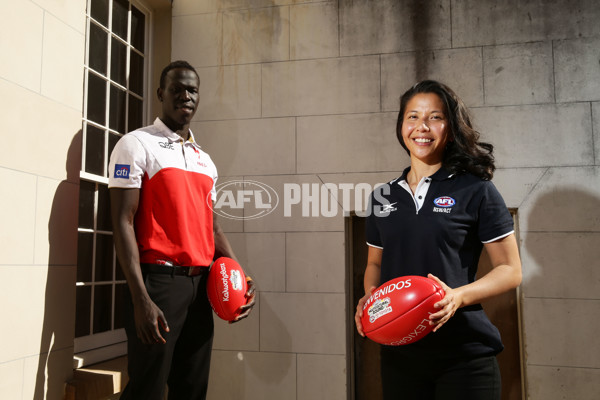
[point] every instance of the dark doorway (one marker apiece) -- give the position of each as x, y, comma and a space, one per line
363, 354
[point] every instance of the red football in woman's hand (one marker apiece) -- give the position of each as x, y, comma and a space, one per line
398, 311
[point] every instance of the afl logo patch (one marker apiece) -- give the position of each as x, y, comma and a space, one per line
444, 201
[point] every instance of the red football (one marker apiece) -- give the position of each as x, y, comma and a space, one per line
226, 288
398, 311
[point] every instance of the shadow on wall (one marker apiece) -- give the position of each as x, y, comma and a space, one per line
54, 366
270, 31
421, 21
560, 265
562, 240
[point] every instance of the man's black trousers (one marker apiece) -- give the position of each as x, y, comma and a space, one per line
184, 361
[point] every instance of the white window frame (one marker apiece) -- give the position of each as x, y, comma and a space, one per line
110, 344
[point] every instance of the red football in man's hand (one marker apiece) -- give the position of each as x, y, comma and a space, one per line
226, 288
398, 311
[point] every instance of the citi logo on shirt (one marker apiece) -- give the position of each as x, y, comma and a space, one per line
122, 171
444, 204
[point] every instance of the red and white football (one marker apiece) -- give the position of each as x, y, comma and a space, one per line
397, 312
226, 288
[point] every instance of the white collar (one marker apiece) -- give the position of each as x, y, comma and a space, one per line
172, 136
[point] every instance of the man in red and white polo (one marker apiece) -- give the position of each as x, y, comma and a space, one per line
161, 188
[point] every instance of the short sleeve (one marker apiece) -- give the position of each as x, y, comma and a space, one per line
127, 163
495, 221
372, 230
213, 191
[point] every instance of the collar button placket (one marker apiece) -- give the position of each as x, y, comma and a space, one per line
183, 153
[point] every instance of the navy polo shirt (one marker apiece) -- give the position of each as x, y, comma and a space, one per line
441, 230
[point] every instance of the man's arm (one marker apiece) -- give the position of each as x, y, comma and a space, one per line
124, 204
223, 249
222, 246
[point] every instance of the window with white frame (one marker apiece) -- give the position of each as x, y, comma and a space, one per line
114, 104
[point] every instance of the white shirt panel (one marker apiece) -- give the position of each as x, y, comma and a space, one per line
152, 148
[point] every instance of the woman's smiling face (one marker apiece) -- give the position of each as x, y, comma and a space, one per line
425, 128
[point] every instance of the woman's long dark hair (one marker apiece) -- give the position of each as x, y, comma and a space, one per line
464, 153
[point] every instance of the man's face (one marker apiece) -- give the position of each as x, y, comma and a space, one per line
179, 98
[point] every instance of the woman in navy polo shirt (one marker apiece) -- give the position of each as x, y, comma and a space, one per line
434, 221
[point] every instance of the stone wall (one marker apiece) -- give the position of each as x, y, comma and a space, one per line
307, 92
41, 82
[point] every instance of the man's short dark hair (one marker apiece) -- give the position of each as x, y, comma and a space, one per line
173, 65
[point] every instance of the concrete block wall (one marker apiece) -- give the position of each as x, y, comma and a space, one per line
307, 92
41, 81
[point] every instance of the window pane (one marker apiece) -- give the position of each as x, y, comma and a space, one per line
94, 150
83, 304
118, 62
138, 21
98, 48
99, 11
103, 221
135, 114
119, 14
136, 73
104, 258
120, 294
117, 109
96, 99
86, 204
84, 256
112, 141
102, 308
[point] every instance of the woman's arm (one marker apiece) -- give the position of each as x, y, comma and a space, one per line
505, 275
